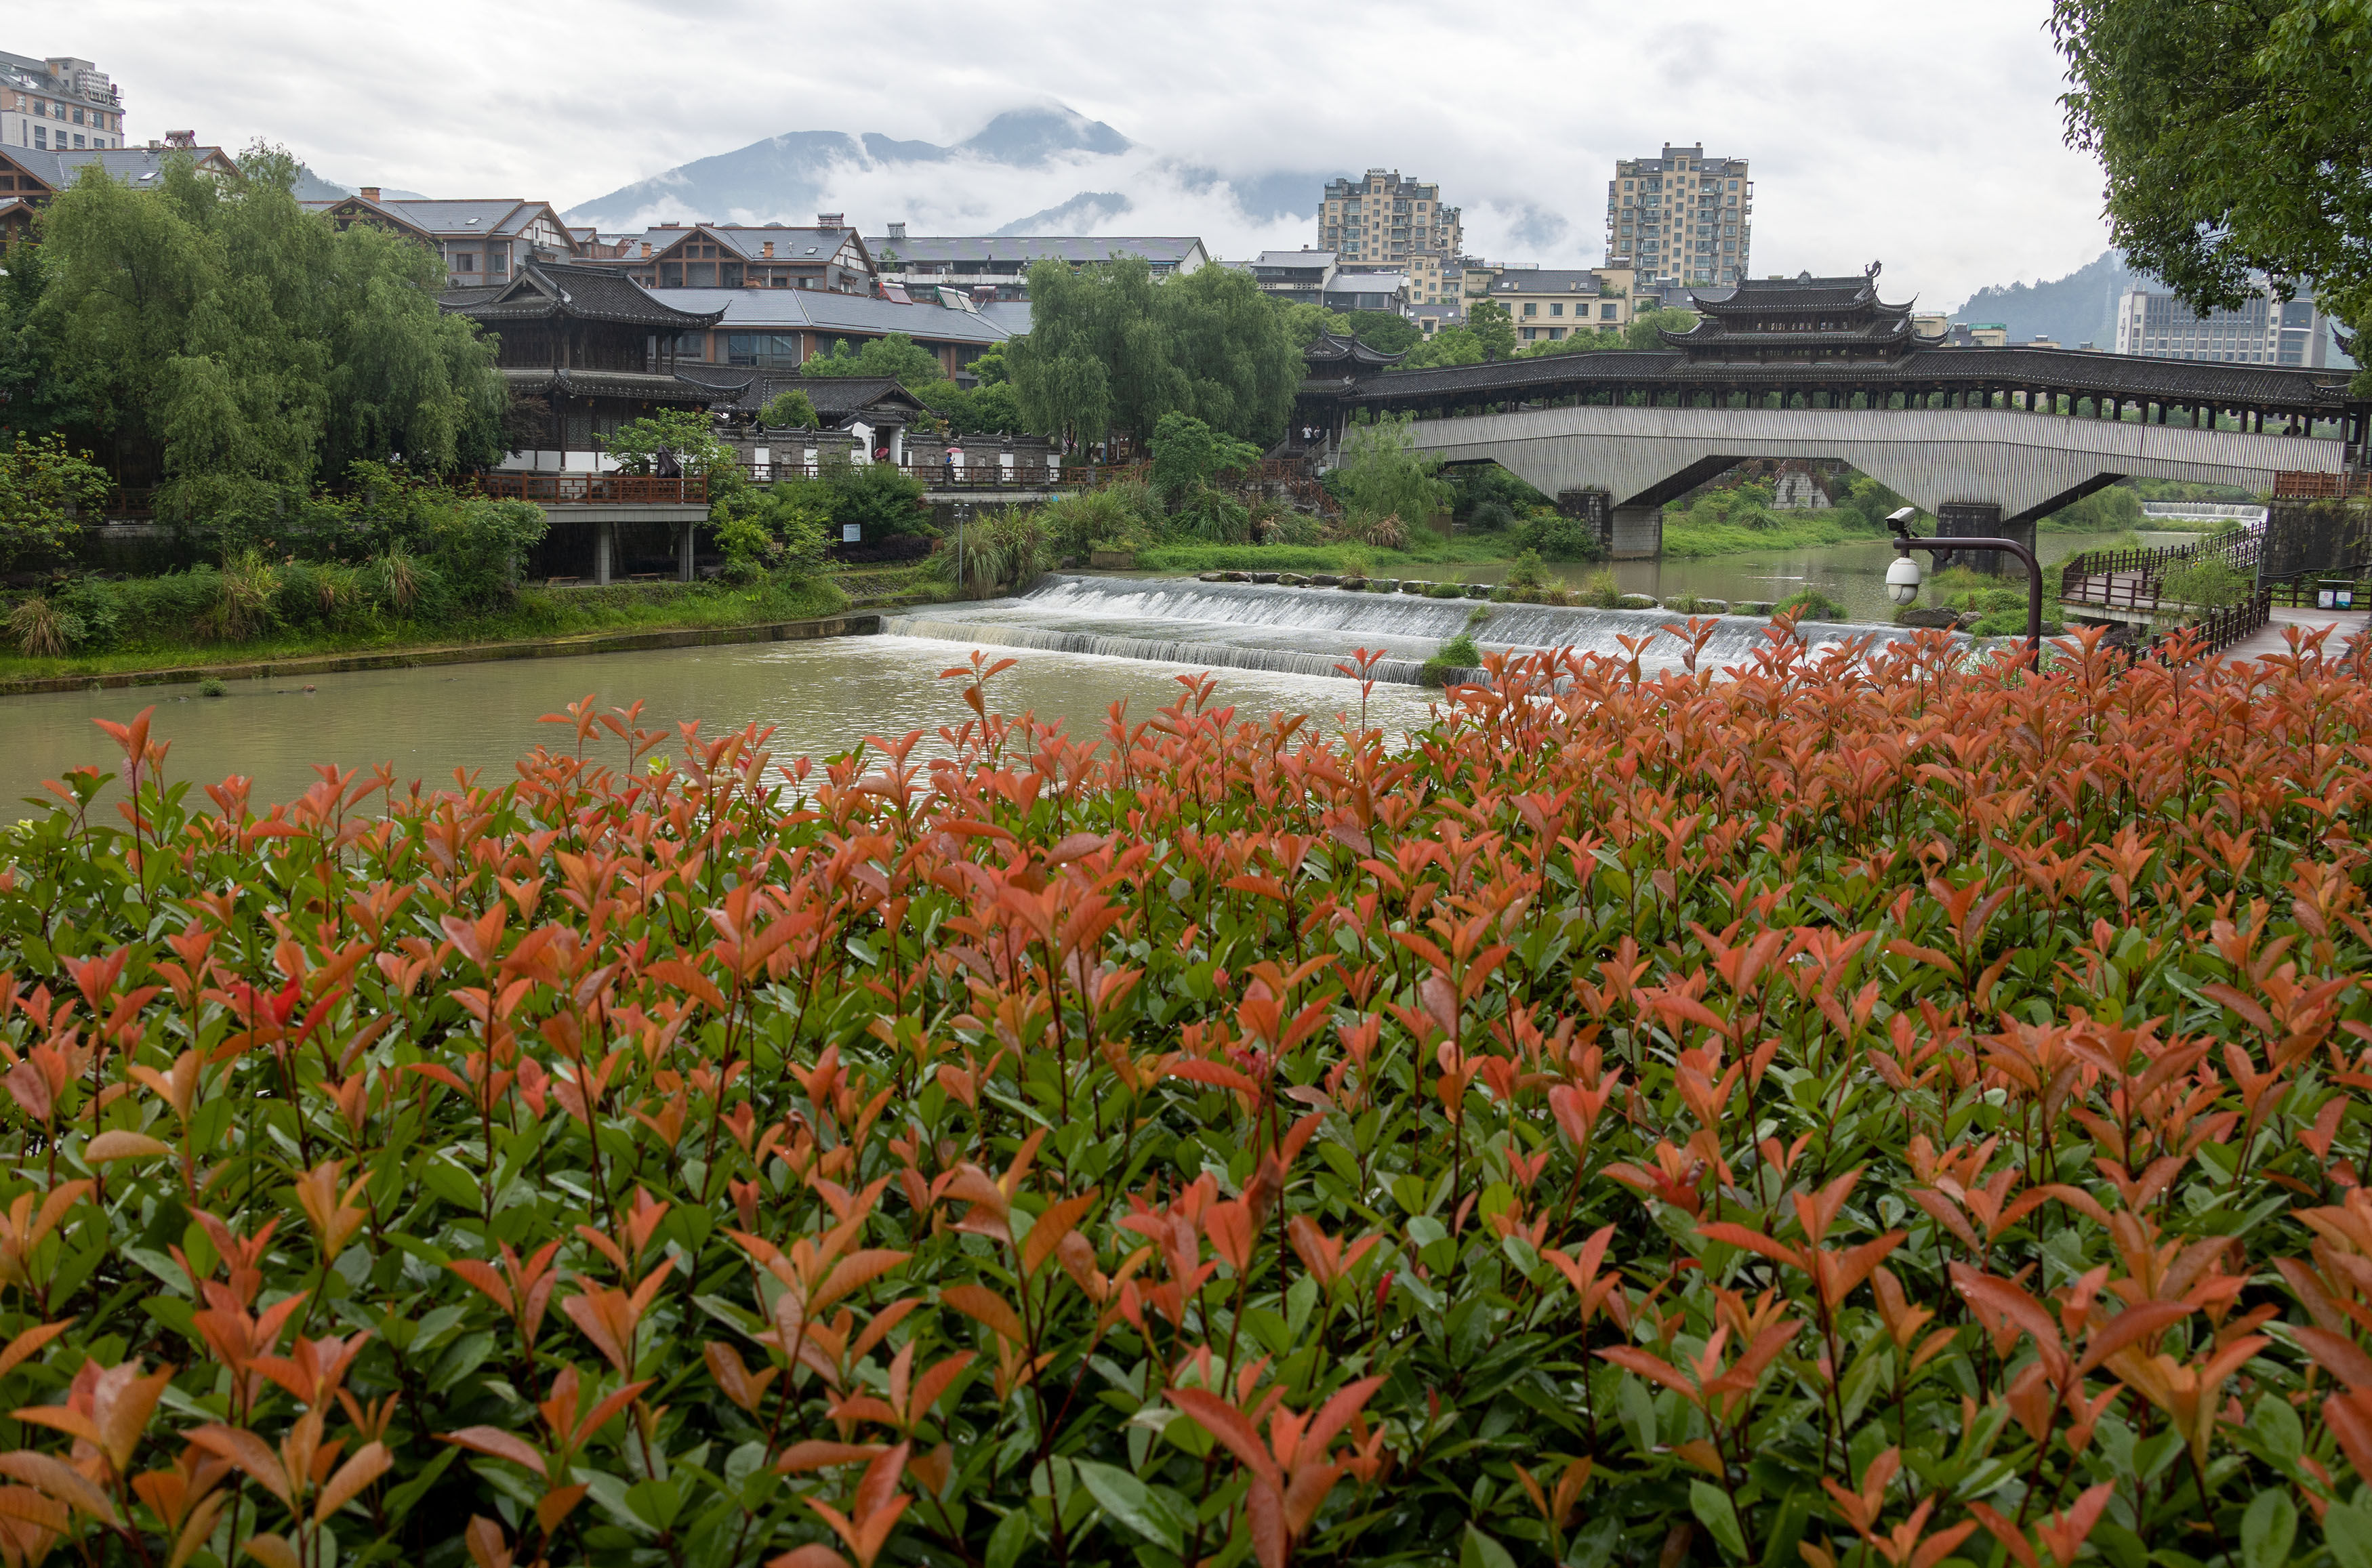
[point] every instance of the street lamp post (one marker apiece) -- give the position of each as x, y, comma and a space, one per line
1902, 578
964, 509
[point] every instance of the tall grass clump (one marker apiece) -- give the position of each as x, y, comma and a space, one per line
1861, 1107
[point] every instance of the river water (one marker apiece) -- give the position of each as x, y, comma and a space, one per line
1853, 575
823, 697
1082, 644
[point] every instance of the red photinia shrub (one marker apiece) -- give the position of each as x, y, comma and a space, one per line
1851, 1109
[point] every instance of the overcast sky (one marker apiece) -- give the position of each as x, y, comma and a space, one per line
1920, 132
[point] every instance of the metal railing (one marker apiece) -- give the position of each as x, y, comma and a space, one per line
596, 489
2299, 590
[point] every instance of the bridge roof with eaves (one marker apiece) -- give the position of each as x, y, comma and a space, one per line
2078, 372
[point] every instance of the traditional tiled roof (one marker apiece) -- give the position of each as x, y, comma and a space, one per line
1331, 351
1800, 294
545, 289
823, 311
608, 384
2078, 371
837, 398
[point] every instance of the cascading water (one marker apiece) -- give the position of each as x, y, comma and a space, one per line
1313, 630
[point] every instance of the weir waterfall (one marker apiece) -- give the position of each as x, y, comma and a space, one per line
1313, 630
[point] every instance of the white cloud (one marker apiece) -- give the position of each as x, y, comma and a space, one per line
1924, 134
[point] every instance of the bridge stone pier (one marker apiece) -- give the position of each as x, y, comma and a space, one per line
1979, 469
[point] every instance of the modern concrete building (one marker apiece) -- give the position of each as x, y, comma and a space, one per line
996, 266
1380, 219
57, 105
1682, 215
1298, 277
485, 240
1549, 304
2266, 330
830, 258
29, 180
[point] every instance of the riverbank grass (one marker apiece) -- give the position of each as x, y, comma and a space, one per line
534, 614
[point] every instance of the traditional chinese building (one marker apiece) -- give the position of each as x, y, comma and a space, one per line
590, 347
1338, 367
1802, 319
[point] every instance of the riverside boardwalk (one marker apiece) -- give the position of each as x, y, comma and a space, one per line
2273, 637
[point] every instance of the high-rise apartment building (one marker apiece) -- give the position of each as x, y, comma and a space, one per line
1381, 220
2266, 330
57, 105
1681, 215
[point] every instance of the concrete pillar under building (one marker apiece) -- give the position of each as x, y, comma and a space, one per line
687, 552
605, 550
1974, 519
1637, 533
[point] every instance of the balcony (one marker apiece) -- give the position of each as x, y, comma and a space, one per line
596, 489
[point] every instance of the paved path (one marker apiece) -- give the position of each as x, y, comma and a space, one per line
2271, 638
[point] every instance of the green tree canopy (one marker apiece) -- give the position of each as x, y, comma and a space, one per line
1382, 474
44, 489
1110, 348
2237, 141
791, 408
896, 355
250, 342
1188, 453
1493, 328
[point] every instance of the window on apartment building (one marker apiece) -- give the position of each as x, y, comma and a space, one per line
77, 137
1531, 309
1606, 312
41, 138
77, 116
465, 262
1555, 308
1531, 333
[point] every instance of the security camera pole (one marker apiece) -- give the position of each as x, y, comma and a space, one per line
1902, 578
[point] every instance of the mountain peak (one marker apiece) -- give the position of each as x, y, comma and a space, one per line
1028, 137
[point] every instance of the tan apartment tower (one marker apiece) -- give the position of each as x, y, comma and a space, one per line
1681, 215
1380, 220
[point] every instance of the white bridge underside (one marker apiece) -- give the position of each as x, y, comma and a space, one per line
2024, 463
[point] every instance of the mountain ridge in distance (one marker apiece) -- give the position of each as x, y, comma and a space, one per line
784, 176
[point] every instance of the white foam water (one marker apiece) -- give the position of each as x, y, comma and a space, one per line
1313, 630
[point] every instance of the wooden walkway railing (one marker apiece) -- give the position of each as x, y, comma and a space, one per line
2322, 486
2128, 579
596, 489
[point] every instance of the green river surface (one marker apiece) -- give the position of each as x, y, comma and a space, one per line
822, 698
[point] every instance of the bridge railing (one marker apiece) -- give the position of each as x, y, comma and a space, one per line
2322, 486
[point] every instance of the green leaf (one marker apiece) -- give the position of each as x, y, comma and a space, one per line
1787, 1532
1711, 1505
2267, 1530
1129, 1501
2347, 1530
2277, 1426
1011, 1536
1479, 1551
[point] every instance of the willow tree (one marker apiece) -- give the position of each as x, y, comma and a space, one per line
2236, 140
1111, 348
252, 347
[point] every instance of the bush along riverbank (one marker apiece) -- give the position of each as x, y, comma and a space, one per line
174, 622
1866, 1107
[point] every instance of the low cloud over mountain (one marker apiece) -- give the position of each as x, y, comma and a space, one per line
1041, 170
